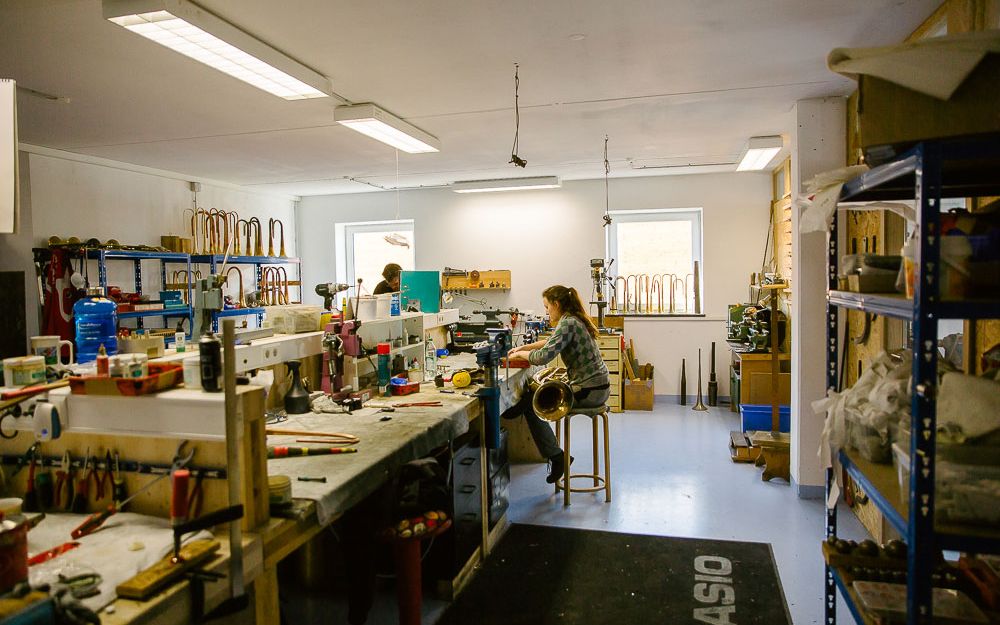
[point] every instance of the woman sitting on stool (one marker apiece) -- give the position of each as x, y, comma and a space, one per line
575, 339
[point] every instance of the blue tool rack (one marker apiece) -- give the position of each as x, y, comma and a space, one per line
103, 256
961, 167
214, 261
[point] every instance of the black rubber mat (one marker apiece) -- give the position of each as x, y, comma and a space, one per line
548, 575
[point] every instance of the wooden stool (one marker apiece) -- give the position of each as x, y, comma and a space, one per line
600, 483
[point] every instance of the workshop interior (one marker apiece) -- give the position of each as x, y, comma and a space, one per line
296, 329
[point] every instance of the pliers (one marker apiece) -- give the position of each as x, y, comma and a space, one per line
64, 481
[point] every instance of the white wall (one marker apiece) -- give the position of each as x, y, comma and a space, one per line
67, 196
547, 237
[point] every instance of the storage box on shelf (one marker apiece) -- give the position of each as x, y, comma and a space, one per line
960, 167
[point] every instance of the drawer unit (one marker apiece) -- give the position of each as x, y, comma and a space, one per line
453, 549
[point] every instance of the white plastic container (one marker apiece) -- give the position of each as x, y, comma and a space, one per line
24, 370
383, 306
192, 373
366, 308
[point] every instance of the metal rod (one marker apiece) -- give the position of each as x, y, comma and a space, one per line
234, 436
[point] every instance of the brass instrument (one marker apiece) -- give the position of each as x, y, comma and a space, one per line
241, 301
271, 223
258, 248
553, 396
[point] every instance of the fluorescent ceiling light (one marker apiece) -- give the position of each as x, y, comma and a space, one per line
758, 152
383, 126
505, 184
194, 32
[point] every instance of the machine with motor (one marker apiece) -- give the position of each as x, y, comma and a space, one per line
340, 339
488, 356
467, 333
208, 299
599, 274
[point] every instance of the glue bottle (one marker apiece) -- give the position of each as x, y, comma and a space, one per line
384, 350
430, 358
103, 365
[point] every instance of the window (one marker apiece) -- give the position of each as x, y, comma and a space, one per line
367, 250
655, 252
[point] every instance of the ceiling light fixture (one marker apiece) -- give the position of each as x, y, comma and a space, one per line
758, 152
194, 32
506, 184
381, 125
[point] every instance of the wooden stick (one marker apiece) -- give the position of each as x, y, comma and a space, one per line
279, 432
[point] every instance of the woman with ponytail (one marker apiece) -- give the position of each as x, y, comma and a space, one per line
575, 339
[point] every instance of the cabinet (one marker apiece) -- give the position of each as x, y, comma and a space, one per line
753, 375
611, 352
136, 257
961, 167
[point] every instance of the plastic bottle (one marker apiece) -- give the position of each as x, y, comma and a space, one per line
430, 358
383, 368
103, 367
96, 321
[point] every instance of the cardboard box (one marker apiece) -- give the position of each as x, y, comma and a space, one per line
638, 394
892, 118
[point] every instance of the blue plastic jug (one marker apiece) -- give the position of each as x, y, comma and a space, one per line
96, 320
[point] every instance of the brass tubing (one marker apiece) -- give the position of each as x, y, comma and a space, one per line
281, 282
658, 288
642, 284
246, 229
241, 301
270, 240
258, 248
203, 222
616, 291
232, 219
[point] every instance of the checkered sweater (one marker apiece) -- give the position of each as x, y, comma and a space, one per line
579, 352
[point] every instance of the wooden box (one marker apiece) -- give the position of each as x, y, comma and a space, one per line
638, 395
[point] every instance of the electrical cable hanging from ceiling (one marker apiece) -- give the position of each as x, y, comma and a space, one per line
607, 195
396, 238
514, 158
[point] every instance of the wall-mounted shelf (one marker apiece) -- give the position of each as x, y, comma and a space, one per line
499, 278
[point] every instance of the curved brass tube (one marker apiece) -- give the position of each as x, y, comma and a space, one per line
258, 248
634, 290
682, 283
229, 232
658, 288
667, 286
241, 302
203, 219
642, 285
265, 299
281, 284
237, 249
192, 226
271, 223
217, 226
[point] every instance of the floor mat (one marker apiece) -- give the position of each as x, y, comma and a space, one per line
547, 575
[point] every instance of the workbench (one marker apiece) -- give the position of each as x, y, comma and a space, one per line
385, 445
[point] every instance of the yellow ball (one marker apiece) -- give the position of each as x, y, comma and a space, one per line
461, 379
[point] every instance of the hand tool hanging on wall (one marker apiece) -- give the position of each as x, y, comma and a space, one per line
79, 504
118, 484
31, 503
284, 451
64, 482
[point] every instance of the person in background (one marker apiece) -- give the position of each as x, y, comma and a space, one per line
391, 273
575, 339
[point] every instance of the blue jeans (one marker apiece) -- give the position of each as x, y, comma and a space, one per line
541, 430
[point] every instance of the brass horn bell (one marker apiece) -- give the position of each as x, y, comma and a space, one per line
553, 396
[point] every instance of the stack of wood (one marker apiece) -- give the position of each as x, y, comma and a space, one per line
633, 370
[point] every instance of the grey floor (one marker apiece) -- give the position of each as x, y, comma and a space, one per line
671, 476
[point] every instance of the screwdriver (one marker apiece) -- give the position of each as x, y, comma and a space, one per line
79, 504
118, 492
94, 521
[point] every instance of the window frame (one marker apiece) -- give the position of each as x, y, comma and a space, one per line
349, 229
692, 214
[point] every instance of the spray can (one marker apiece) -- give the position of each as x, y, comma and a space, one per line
383, 368
210, 361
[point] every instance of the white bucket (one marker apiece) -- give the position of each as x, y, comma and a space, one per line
365, 308
383, 306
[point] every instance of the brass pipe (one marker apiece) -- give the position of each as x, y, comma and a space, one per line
667, 285
258, 248
203, 222
642, 285
281, 282
230, 236
635, 290
271, 223
658, 287
238, 251
264, 295
241, 302
217, 226
192, 227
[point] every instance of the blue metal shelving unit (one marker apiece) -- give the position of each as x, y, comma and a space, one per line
214, 261
103, 256
963, 167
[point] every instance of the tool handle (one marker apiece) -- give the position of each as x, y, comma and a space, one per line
91, 523
118, 492
79, 504
179, 496
211, 519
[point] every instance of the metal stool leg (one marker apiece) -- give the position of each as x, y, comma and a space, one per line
566, 467
558, 439
597, 462
607, 458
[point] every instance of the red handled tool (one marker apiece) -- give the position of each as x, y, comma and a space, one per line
179, 497
286, 452
64, 482
79, 504
104, 481
45, 556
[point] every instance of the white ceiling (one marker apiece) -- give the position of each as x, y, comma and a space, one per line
671, 82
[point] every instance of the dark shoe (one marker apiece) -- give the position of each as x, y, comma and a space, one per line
557, 467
